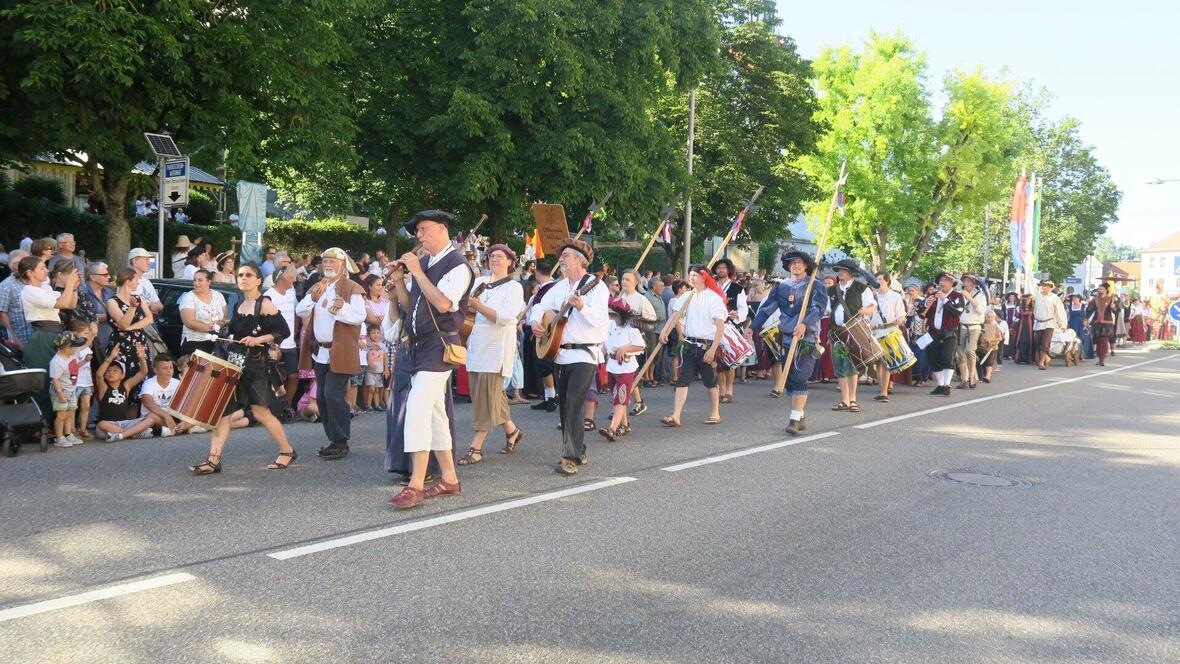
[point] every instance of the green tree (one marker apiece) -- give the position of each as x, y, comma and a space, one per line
906, 169
754, 119
1107, 249
488, 106
260, 79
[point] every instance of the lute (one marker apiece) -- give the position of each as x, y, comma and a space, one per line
549, 344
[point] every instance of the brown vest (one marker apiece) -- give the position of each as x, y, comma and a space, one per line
344, 355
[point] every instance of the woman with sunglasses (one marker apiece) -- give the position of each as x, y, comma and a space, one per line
256, 323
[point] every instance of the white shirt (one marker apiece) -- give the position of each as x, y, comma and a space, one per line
453, 284
743, 305
705, 309
1003, 325
146, 291
618, 336
866, 300
178, 260
286, 306
38, 302
491, 348
205, 313
190, 271
352, 312
85, 375
588, 326
640, 306
890, 307
161, 394
975, 307
1048, 312
59, 370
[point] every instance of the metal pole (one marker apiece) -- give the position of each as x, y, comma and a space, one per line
987, 239
692, 127
1005, 281
160, 236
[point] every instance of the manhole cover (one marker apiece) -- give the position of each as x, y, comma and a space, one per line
980, 478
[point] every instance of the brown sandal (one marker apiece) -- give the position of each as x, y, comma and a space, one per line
669, 421
208, 466
511, 440
472, 457
713, 420
853, 407
291, 456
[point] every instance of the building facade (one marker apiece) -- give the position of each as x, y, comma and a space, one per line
1160, 264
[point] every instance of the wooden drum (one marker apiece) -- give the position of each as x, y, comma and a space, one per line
857, 336
205, 390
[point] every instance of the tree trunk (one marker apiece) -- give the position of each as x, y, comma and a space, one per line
391, 234
112, 188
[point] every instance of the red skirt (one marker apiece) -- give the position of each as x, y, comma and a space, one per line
1138, 334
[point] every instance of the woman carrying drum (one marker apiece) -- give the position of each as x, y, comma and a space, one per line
256, 323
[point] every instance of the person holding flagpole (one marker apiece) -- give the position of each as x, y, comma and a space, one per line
1048, 317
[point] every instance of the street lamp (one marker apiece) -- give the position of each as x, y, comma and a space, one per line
1162, 181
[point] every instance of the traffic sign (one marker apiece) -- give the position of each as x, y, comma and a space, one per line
1174, 311
174, 183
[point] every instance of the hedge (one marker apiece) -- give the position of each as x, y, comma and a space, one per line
312, 237
39, 187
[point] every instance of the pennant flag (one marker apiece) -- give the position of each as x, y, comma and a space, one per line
1028, 235
840, 202
1035, 254
737, 224
536, 242
1017, 221
666, 232
586, 222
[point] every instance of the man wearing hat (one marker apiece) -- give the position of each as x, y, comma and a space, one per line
1048, 317
180, 255
140, 260
847, 298
942, 324
970, 328
739, 310
787, 298
336, 306
581, 344
433, 305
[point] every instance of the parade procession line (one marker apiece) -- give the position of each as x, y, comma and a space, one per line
453, 517
750, 450
1050, 383
94, 595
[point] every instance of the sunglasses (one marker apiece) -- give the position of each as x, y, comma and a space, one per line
245, 273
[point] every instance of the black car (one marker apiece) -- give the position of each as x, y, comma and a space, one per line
168, 322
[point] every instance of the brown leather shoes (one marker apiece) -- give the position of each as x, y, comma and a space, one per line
795, 427
567, 467
442, 488
407, 498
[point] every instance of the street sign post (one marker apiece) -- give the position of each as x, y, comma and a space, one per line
174, 183
1174, 311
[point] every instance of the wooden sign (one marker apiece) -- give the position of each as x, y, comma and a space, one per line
552, 224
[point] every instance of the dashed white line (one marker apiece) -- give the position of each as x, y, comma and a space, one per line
444, 519
94, 595
969, 402
752, 450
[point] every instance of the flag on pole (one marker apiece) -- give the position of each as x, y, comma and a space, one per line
1026, 249
1036, 230
840, 202
666, 232
737, 224
1016, 224
586, 222
536, 242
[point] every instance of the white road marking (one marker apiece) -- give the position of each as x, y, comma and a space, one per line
445, 519
94, 595
960, 404
752, 450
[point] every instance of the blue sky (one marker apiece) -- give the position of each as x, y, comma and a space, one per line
1113, 65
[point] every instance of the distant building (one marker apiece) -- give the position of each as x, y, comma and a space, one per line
1124, 275
75, 181
1086, 276
1160, 264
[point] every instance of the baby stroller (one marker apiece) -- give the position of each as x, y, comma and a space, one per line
21, 418
1066, 345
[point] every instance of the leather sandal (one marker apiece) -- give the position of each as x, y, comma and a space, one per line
853, 407
472, 457
840, 406
511, 440
669, 421
291, 456
208, 466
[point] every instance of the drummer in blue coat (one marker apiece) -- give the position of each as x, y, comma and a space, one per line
787, 298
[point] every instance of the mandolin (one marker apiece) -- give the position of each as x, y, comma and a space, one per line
549, 344
469, 313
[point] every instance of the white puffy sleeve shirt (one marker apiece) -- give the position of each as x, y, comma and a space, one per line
491, 348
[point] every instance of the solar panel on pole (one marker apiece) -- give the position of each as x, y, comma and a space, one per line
163, 145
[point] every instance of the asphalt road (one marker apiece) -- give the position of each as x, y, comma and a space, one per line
699, 544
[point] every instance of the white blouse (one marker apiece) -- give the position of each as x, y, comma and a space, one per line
206, 313
38, 302
491, 348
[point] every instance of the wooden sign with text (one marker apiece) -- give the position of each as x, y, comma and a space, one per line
552, 224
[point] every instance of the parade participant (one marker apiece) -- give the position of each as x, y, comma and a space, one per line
1048, 317
704, 315
1101, 313
971, 327
942, 324
202, 311
256, 325
623, 342
282, 295
889, 316
991, 338
1138, 333
434, 302
581, 348
491, 351
539, 367
848, 298
334, 309
738, 308
642, 316
916, 328
786, 299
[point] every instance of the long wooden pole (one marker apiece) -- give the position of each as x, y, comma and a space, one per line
820, 248
684, 307
665, 218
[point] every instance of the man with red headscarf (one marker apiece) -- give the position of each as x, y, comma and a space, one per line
704, 315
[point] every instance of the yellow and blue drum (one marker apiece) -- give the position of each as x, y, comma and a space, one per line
898, 356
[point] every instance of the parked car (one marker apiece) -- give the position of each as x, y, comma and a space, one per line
168, 322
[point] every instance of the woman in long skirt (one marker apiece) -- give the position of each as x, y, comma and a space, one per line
1022, 339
